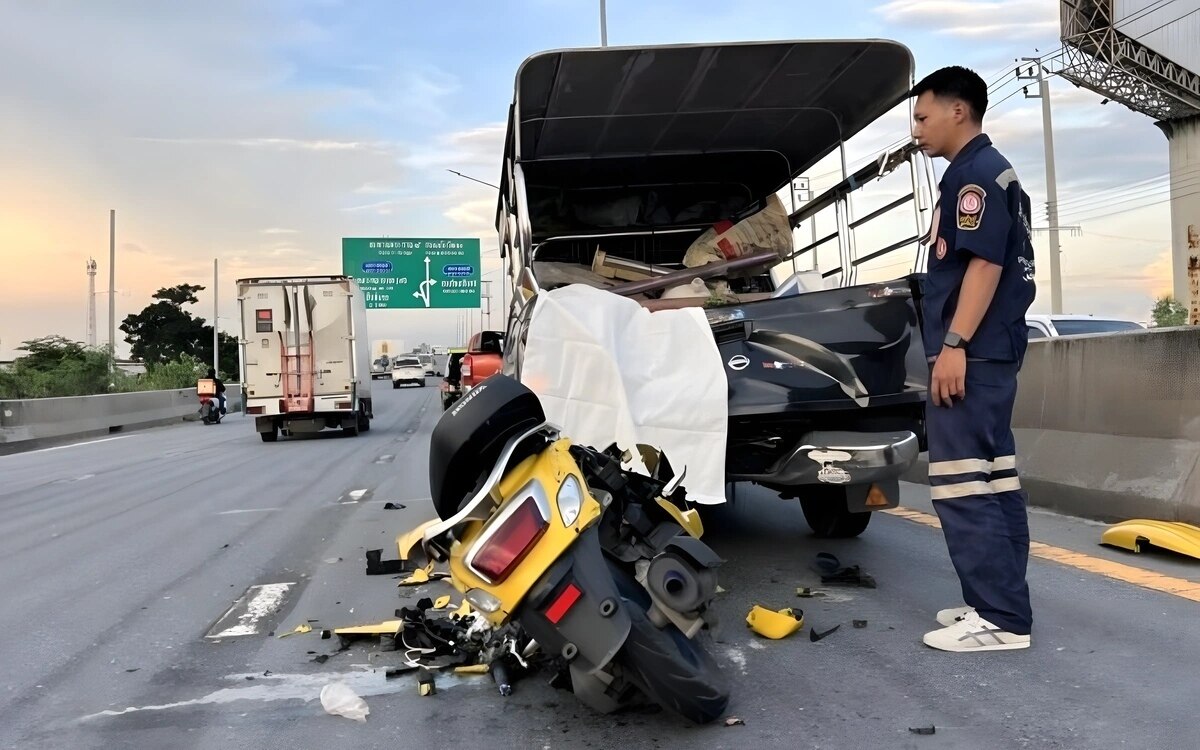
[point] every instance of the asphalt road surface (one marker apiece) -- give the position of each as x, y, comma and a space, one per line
122, 557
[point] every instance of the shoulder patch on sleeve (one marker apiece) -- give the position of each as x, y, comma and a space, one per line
971, 201
1006, 178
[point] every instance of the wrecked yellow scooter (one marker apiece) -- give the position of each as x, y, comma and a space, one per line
585, 557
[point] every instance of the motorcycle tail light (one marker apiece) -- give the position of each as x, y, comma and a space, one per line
509, 540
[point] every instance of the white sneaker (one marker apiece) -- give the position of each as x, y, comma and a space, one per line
948, 617
973, 633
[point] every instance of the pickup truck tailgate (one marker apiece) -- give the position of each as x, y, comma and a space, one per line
833, 349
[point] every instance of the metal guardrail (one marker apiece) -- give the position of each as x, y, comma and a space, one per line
49, 418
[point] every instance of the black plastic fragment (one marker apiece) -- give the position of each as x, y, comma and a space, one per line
814, 636
923, 730
377, 567
394, 506
321, 659
860, 624
834, 573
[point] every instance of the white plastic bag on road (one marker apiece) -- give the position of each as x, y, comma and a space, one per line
339, 700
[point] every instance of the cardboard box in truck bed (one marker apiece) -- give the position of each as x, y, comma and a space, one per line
306, 358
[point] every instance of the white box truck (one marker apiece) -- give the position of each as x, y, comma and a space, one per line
306, 358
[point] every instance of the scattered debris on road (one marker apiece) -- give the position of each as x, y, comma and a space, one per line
860, 624
774, 624
338, 699
394, 506
425, 684
814, 636
302, 628
923, 730
378, 567
734, 721
834, 573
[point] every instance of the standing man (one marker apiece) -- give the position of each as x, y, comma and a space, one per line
978, 288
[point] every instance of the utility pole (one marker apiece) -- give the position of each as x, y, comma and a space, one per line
91, 302
603, 25
112, 289
1056, 307
486, 299
216, 322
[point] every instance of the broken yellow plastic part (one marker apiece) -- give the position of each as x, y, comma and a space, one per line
387, 627
688, 519
462, 611
303, 627
420, 575
472, 669
772, 624
441, 602
409, 539
1178, 537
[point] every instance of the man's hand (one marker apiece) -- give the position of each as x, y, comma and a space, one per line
949, 379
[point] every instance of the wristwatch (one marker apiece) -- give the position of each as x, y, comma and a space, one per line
954, 341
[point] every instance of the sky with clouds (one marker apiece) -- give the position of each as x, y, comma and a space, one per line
261, 133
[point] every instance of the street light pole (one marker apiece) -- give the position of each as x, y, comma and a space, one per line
216, 321
603, 25
112, 289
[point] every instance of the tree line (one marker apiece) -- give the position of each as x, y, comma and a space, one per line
175, 346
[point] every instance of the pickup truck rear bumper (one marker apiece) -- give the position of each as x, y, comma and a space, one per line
842, 458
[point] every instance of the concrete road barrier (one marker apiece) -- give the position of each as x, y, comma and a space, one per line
1108, 427
28, 421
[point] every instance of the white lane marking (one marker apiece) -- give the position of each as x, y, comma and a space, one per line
247, 510
73, 481
72, 445
258, 603
357, 494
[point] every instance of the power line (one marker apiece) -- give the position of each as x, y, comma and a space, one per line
1107, 214
1144, 193
1116, 198
1120, 237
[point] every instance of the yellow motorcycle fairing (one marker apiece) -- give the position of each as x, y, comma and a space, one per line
1181, 538
547, 471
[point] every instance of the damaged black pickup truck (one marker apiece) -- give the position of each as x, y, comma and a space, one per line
617, 163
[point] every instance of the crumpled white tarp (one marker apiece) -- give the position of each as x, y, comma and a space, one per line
608, 370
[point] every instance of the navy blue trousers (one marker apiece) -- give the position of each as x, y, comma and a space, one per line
978, 497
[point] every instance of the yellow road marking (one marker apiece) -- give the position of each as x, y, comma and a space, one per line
1147, 579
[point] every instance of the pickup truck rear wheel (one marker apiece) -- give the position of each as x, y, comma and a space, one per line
826, 513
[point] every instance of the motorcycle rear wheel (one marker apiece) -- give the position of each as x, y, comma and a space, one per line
674, 671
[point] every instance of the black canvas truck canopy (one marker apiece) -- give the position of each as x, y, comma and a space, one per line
636, 138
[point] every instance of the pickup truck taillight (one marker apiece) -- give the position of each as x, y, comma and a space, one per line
466, 366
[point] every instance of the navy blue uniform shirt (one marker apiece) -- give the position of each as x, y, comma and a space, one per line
982, 211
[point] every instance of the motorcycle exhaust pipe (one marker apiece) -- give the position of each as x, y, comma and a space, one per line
677, 584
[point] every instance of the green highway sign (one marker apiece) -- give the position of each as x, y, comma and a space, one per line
414, 273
